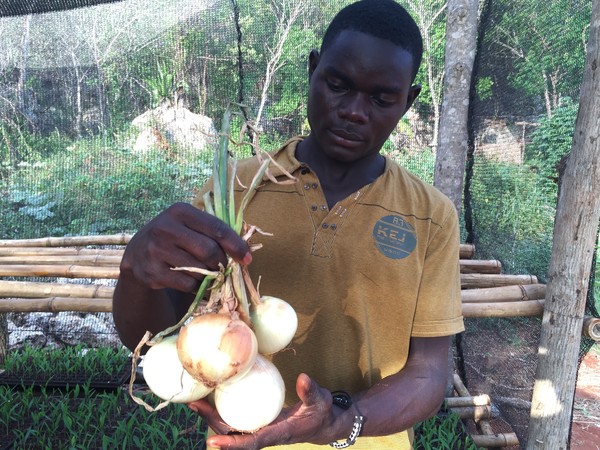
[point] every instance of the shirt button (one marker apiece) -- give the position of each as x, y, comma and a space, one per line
315, 185
323, 207
325, 226
333, 226
306, 187
314, 207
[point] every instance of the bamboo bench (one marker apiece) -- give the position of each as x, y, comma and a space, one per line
38, 265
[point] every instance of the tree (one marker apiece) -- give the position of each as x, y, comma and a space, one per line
286, 15
576, 225
548, 58
461, 33
431, 21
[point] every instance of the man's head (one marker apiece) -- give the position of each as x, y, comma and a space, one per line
384, 19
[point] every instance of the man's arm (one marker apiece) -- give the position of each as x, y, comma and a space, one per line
412, 395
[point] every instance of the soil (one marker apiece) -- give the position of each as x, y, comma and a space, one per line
500, 359
585, 431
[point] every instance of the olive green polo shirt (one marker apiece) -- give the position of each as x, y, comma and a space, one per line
364, 277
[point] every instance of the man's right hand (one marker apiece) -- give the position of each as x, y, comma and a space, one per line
181, 236
149, 295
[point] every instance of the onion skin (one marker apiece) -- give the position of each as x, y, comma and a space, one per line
254, 400
214, 348
275, 323
166, 377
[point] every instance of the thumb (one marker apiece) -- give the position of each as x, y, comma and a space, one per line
310, 393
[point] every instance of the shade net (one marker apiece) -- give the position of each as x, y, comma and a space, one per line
107, 113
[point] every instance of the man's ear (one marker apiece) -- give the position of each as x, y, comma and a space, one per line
313, 61
413, 93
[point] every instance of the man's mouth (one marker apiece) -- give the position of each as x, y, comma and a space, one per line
344, 137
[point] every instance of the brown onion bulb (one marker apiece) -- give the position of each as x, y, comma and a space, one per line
214, 348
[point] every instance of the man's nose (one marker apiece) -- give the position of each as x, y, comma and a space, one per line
355, 108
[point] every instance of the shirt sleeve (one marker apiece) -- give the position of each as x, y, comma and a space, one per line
439, 308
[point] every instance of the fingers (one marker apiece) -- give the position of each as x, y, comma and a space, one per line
208, 225
181, 236
311, 394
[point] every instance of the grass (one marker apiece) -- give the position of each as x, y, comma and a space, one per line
444, 431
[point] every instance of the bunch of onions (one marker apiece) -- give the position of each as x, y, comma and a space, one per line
165, 376
218, 346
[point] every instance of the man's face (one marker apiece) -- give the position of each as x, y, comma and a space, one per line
360, 87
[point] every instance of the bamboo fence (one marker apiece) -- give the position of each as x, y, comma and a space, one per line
486, 291
68, 241
487, 438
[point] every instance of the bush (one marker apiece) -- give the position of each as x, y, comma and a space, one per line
550, 141
513, 217
92, 187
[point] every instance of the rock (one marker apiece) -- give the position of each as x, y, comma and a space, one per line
59, 329
175, 130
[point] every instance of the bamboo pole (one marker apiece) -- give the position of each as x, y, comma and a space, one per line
67, 271
462, 390
61, 241
591, 328
470, 400
466, 251
55, 304
38, 289
476, 413
495, 440
480, 266
477, 280
459, 386
84, 260
504, 293
527, 308
35, 251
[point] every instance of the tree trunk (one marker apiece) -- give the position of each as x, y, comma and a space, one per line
461, 35
576, 225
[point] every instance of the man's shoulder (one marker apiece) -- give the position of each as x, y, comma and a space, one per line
411, 184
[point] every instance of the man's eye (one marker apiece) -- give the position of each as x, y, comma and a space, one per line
336, 86
383, 100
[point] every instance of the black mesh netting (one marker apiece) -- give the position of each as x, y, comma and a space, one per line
106, 115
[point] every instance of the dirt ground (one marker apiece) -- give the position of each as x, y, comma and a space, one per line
500, 360
585, 432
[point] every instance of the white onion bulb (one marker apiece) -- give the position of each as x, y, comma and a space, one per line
214, 348
275, 323
166, 377
254, 400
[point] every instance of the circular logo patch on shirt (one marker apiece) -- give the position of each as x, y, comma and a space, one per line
394, 237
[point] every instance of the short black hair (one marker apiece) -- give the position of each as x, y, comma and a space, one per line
384, 19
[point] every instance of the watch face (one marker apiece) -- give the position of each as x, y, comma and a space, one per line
341, 399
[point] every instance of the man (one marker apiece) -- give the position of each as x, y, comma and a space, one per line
365, 252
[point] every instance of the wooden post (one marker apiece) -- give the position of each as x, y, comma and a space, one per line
576, 225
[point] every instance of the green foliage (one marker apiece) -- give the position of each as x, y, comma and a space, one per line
442, 432
43, 364
162, 84
81, 418
97, 187
550, 141
484, 88
549, 56
513, 217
